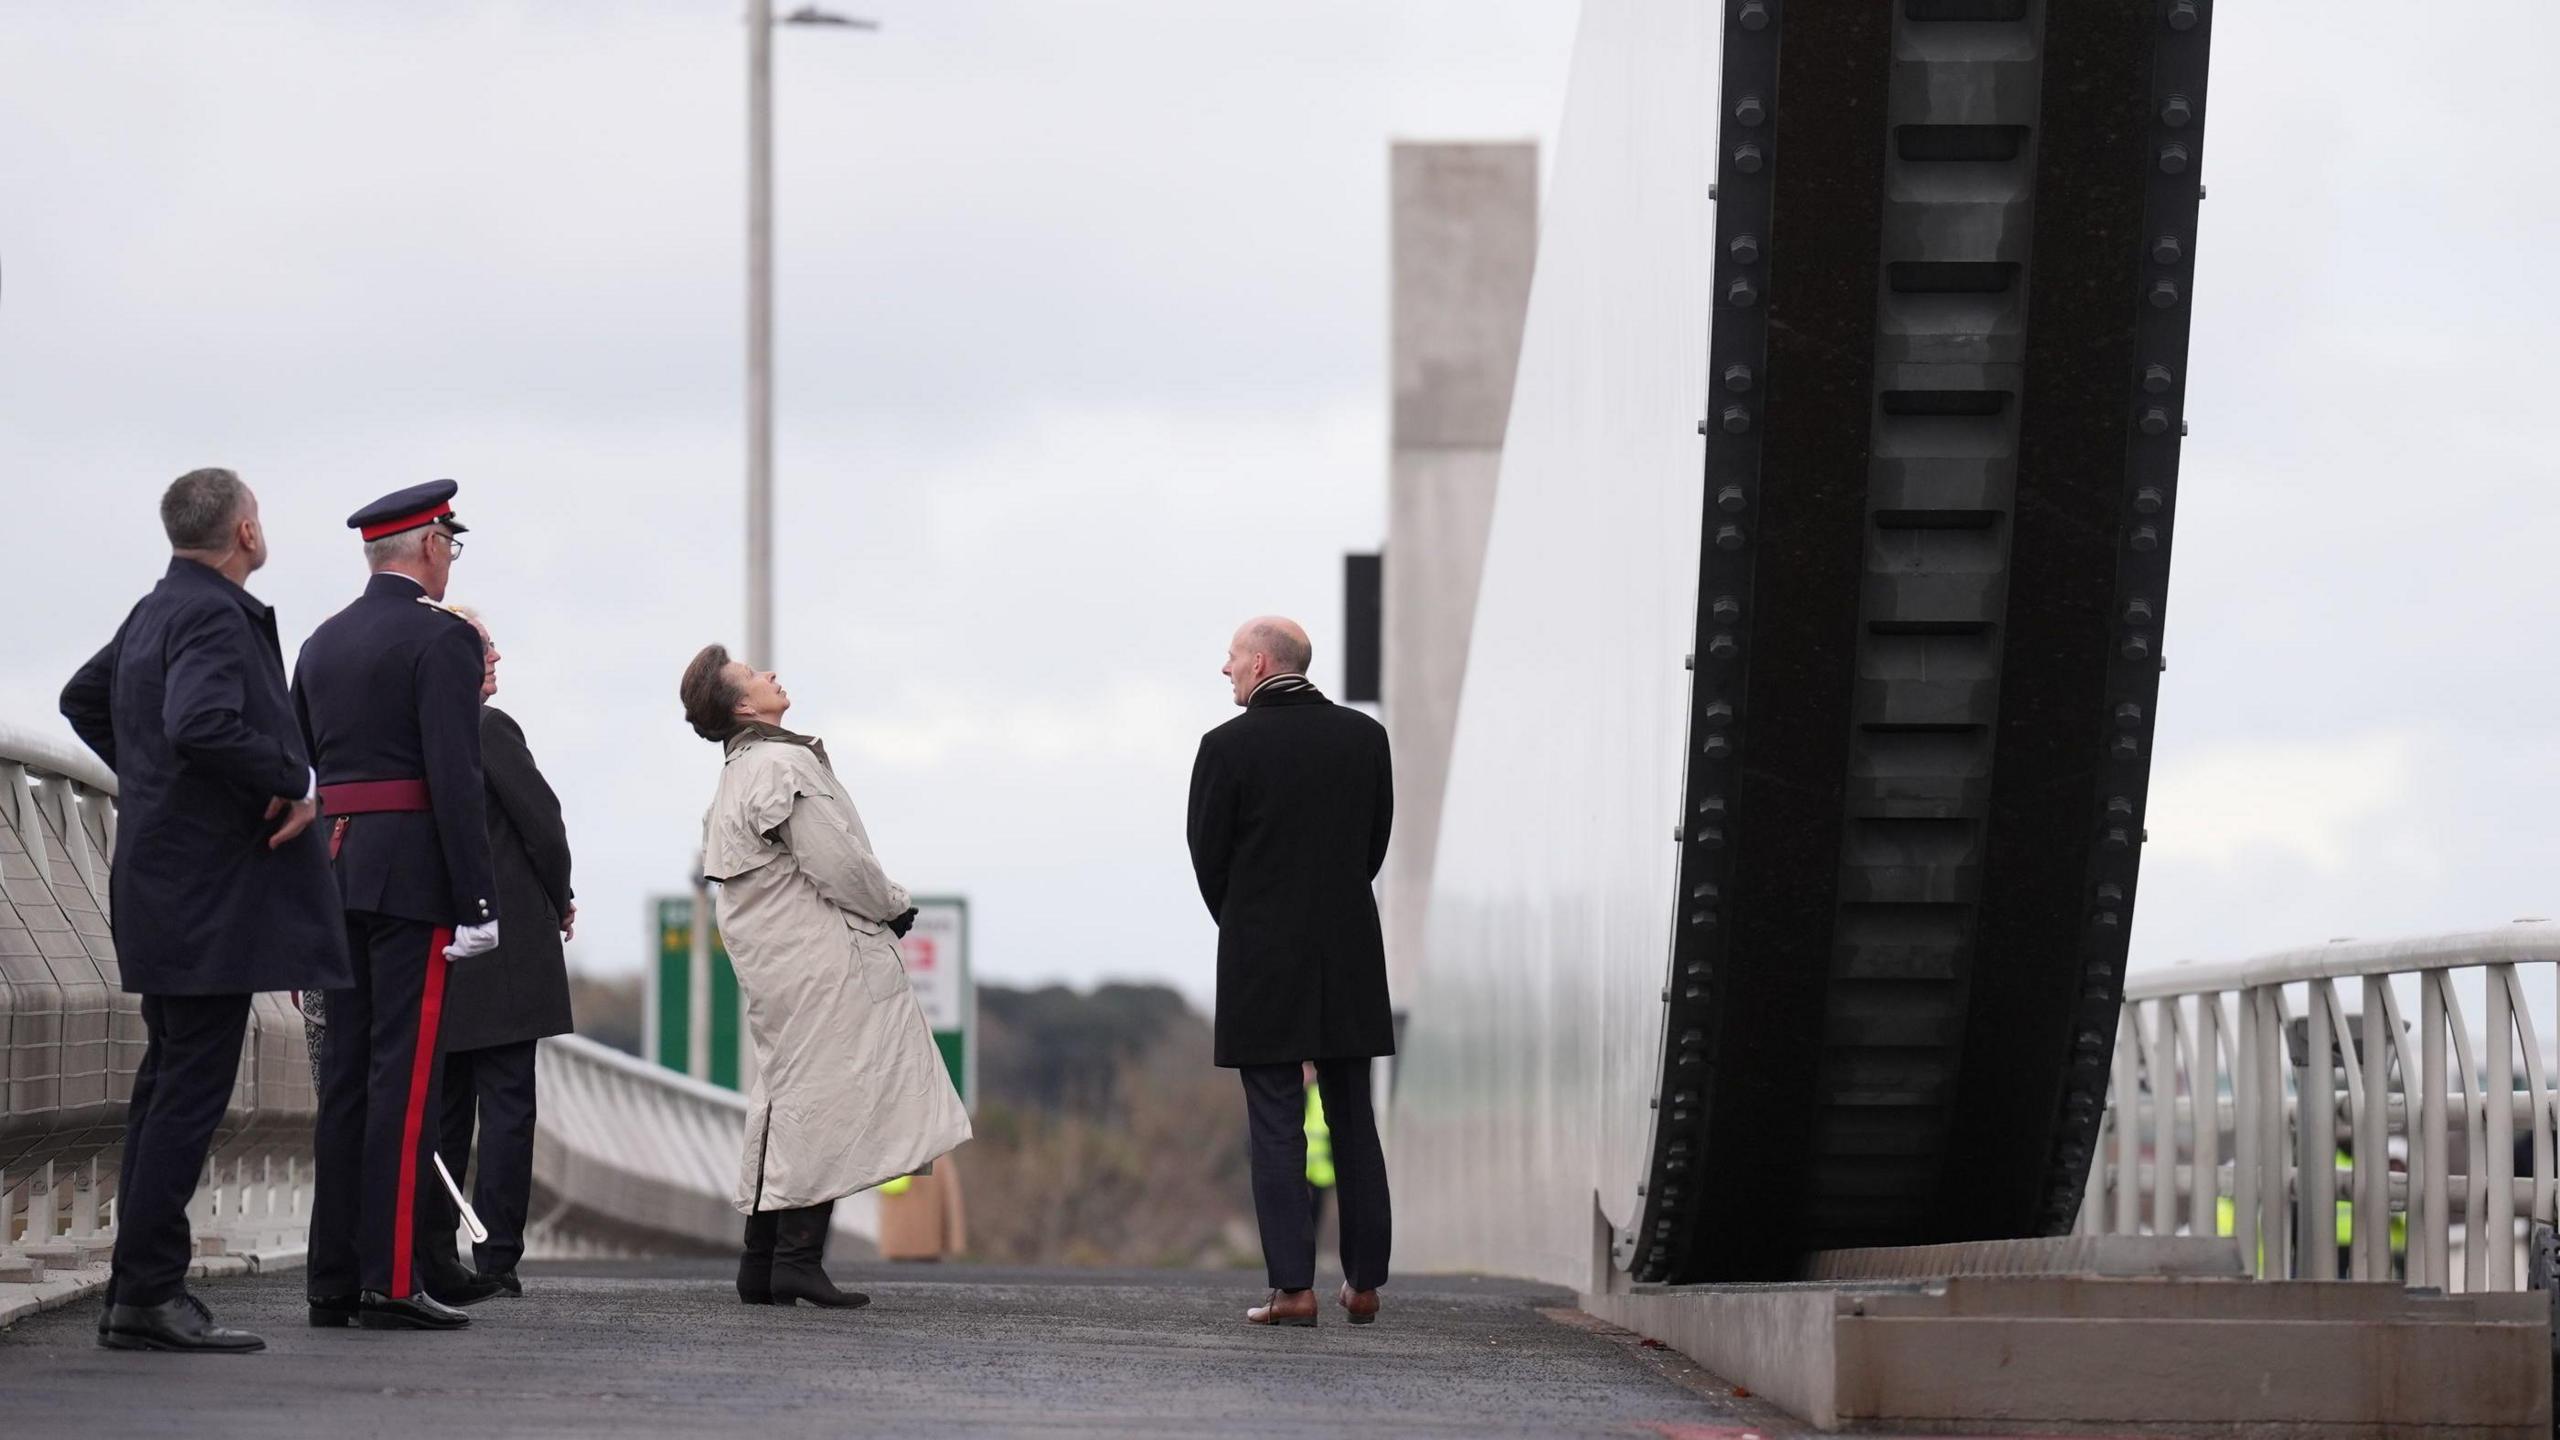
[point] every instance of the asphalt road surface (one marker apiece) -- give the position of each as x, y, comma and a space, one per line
665, 1349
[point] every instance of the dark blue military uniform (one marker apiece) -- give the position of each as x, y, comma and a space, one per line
389, 695
187, 703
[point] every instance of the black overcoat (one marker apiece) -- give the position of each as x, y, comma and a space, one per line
389, 689
1290, 805
187, 705
519, 991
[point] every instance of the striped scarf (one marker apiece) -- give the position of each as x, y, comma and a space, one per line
1281, 685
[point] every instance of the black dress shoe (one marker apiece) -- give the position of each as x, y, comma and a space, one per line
505, 1280
329, 1311
377, 1311
180, 1324
469, 1288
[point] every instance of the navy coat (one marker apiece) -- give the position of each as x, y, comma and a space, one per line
389, 689
519, 991
1290, 807
187, 704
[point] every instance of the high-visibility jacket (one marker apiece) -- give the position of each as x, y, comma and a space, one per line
1319, 1143
2224, 1213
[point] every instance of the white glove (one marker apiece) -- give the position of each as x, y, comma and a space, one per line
470, 940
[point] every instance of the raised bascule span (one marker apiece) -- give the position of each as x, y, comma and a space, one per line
1794, 820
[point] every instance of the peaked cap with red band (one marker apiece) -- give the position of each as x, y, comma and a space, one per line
428, 504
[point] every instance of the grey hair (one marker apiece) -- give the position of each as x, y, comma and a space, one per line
1286, 649
199, 508
392, 549
473, 615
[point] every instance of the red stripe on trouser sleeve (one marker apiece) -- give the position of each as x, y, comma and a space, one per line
413, 1121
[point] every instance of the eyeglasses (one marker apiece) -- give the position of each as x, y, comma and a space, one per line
453, 543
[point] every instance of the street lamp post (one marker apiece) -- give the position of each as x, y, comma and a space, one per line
760, 23
760, 653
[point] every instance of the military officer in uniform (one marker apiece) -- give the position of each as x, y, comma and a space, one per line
388, 691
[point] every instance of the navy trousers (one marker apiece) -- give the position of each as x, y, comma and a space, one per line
1275, 1111
492, 1086
380, 1069
188, 1071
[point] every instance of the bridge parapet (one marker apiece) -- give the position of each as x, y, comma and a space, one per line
71, 1039
631, 1158
2410, 1138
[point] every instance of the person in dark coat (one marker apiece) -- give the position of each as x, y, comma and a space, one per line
220, 887
388, 690
1290, 806
496, 1008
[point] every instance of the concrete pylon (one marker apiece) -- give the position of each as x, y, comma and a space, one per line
1464, 222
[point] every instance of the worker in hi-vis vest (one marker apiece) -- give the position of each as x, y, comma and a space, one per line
1319, 1149
2343, 1161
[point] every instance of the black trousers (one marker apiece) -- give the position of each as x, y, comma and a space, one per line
493, 1086
1275, 1109
188, 1071
379, 1073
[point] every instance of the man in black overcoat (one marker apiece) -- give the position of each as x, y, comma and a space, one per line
389, 695
220, 887
1290, 806
497, 1008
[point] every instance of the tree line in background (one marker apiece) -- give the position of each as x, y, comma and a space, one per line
1104, 1134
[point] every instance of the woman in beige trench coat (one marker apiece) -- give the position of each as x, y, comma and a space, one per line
850, 1091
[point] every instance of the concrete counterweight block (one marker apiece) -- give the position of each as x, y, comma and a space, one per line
1994, 1355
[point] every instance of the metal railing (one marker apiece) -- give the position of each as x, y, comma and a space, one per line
633, 1158
2249, 1100
71, 1039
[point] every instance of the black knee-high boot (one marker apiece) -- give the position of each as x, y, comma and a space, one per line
755, 1263
799, 1256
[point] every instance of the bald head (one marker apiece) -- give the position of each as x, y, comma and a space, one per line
1263, 647
1280, 638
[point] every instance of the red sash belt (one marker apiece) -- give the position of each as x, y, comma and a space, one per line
366, 797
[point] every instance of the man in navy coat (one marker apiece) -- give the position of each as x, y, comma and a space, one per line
389, 694
220, 888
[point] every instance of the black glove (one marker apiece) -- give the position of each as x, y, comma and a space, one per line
904, 923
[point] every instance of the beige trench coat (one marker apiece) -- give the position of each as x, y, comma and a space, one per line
850, 1091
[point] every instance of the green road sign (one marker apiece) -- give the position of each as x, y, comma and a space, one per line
674, 988
935, 953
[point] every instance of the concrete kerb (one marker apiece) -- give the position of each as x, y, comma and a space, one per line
2012, 1354
63, 1287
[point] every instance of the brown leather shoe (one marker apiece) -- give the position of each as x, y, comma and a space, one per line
1360, 1305
1285, 1307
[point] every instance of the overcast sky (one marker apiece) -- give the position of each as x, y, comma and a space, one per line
1082, 343
1082, 338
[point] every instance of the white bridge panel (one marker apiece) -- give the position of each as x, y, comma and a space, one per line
1535, 1031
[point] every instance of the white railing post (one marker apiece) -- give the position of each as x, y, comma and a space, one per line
2498, 1082
2430, 1226
2128, 1086
2277, 1189
2204, 1193
2536, 1085
2248, 1134
2164, 1067
2315, 1133
2372, 1236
